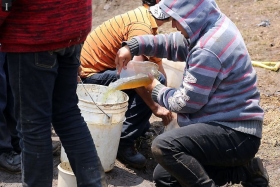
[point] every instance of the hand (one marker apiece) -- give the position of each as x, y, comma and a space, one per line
122, 58
79, 80
164, 114
151, 86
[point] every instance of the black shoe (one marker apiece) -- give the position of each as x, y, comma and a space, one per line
56, 148
10, 162
130, 156
257, 174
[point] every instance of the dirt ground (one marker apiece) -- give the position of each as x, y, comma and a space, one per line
263, 44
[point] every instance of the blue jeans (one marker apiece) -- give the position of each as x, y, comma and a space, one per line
8, 134
202, 155
138, 113
44, 85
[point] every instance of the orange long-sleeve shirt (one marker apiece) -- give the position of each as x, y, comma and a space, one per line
102, 44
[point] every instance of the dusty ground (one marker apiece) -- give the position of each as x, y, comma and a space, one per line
263, 45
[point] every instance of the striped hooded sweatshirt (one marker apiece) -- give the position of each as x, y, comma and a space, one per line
219, 83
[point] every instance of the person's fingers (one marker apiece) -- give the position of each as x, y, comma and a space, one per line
171, 115
169, 119
165, 122
121, 60
151, 76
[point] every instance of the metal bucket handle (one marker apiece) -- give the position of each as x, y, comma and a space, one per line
108, 117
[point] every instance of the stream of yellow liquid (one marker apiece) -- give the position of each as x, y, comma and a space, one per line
127, 83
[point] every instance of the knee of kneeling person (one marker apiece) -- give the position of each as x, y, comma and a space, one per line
156, 147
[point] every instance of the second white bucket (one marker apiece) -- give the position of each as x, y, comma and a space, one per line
66, 177
105, 131
174, 72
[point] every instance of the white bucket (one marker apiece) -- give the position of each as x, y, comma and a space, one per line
66, 177
115, 105
174, 72
105, 131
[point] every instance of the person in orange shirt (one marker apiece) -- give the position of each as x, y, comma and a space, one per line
98, 67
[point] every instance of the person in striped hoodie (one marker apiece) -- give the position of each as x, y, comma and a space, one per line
42, 41
217, 103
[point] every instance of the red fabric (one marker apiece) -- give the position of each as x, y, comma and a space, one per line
40, 25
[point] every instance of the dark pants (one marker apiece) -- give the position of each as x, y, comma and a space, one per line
202, 155
138, 113
8, 134
44, 85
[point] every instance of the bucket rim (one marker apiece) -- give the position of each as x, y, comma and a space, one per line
104, 104
64, 170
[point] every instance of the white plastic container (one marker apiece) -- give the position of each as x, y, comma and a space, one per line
136, 67
174, 72
105, 131
66, 177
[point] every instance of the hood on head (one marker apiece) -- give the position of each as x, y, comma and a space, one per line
158, 13
194, 15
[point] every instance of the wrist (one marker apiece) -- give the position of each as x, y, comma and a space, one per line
154, 107
156, 91
133, 46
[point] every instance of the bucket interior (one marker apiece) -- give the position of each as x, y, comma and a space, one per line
100, 94
66, 168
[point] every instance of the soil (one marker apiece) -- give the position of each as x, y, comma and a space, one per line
263, 44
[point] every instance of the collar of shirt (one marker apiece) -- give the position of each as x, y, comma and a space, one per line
152, 20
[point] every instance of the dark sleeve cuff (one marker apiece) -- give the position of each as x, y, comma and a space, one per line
133, 46
155, 92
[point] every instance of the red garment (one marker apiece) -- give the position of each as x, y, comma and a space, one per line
42, 25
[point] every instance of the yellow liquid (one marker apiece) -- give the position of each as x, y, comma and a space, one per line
127, 83
106, 95
133, 83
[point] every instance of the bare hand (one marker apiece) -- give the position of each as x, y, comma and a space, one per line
122, 58
164, 114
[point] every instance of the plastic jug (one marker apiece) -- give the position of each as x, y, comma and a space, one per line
136, 75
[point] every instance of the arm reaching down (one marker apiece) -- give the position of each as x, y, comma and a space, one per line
157, 110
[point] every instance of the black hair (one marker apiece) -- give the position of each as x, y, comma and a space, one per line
149, 2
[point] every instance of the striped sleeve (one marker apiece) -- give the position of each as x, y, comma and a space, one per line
199, 78
198, 85
173, 46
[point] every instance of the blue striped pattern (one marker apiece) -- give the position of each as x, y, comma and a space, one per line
219, 83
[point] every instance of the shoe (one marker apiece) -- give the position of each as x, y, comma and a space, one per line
130, 156
56, 148
10, 162
257, 174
